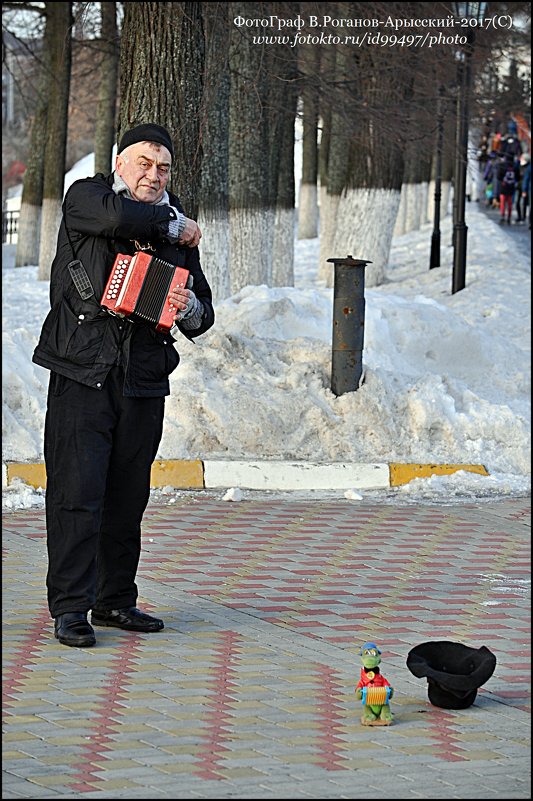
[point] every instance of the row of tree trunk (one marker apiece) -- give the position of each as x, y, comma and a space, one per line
230, 99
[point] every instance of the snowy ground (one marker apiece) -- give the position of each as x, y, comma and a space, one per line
447, 377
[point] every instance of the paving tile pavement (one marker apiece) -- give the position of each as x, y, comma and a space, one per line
248, 692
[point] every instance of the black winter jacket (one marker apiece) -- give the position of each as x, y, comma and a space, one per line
505, 187
80, 339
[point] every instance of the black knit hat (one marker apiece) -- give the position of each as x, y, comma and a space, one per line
148, 132
453, 670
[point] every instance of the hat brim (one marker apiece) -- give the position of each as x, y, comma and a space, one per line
454, 671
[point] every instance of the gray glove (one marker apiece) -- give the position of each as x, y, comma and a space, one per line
190, 308
176, 227
192, 315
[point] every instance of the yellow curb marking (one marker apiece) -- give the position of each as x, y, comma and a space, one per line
33, 474
180, 473
403, 473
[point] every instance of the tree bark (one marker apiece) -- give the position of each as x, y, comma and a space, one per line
337, 172
448, 157
29, 228
281, 115
406, 209
213, 216
412, 212
368, 204
161, 81
327, 67
107, 96
60, 21
283, 247
308, 197
251, 201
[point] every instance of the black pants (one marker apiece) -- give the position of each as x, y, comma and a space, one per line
523, 203
98, 447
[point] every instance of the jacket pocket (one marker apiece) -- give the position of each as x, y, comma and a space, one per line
152, 358
79, 338
172, 358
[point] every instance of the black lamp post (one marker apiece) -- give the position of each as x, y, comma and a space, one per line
470, 11
434, 258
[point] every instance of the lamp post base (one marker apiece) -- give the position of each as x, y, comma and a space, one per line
459, 257
434, 258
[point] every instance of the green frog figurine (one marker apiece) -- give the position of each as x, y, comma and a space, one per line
373, 689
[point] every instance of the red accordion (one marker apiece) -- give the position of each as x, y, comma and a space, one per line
138, 287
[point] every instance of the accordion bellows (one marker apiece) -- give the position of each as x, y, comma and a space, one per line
138, 288
375, 695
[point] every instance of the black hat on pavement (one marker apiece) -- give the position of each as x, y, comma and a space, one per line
454, 671
147, 132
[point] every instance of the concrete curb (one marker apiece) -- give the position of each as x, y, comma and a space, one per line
266, 475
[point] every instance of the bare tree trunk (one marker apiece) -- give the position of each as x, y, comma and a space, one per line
251, 203
308, 199
60, 21
374, 114
161, 80
107, 97
337, 170
281, 114
448, 157
327, 67
29, 228
283, 248
404, 218
413, 204
323, 155
213, 216
367, 210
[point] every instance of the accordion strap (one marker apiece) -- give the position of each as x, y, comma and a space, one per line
77, 271
74, 254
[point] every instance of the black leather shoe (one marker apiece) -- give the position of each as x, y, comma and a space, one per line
72, 628
131, 619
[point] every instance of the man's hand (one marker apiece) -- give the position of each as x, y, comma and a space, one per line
191, 234
180, 298
185, 302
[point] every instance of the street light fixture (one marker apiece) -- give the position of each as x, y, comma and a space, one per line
474, 13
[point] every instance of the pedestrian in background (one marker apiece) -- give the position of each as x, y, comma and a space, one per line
526, 189
510, 143
509, 178
482, 159
490, 176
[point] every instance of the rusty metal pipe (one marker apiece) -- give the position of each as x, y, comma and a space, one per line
348, 324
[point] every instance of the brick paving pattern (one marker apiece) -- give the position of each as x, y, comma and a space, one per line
248, 692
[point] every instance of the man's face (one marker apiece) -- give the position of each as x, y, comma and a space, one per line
145, 167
